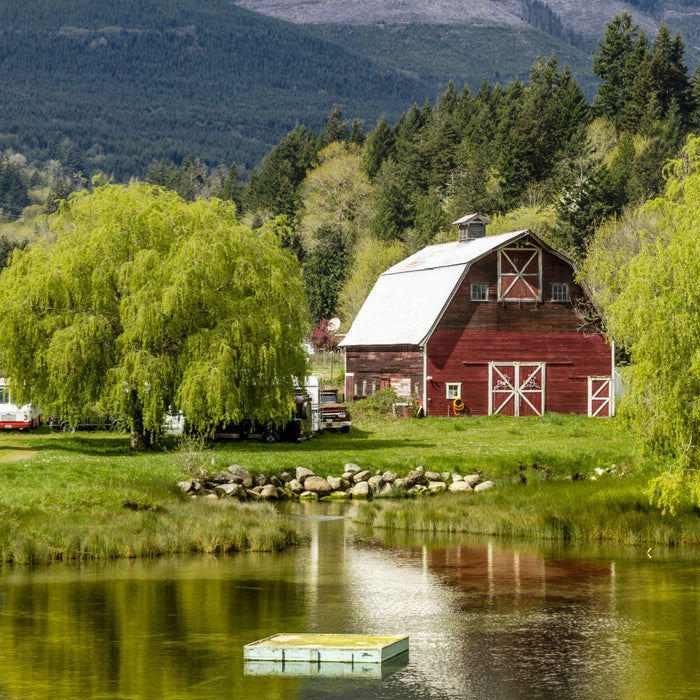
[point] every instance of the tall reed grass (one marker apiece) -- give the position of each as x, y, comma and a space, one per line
588, 511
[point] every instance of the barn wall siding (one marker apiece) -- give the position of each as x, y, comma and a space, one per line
464, 357
373, 365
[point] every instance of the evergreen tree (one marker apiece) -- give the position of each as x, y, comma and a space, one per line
378, 147
274, 187
614, 63
335, 129
324, 272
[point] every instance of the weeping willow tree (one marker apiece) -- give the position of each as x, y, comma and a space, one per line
657, 315
136, 301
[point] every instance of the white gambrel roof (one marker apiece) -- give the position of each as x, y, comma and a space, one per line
409, 298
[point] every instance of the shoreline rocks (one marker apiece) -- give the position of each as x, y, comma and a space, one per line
305, 485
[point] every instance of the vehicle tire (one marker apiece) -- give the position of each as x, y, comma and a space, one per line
345, 429
270, 437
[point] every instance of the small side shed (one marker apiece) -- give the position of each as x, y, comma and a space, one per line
484, 325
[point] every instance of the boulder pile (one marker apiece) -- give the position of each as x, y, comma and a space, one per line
355, 482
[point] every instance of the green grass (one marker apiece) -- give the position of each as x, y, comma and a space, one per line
87, 495
495, 445
614, 510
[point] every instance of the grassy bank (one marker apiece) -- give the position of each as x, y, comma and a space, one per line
87, 495
616, 510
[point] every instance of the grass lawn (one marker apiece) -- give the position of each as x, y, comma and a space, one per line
86, 495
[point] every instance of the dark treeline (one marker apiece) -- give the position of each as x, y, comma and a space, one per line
542, 17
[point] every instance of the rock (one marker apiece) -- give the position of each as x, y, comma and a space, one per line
318, 485
286, 477
420, 469
375, 482
417, 490
473, 479
229, 489
221, 478
599, 471
295, 486
269, 492
252, 494
309, 496
414, 477
459, 486
362, 476
261, 480
432, 476
337, 496
186, 486
302, 473
446, 476
335, 482
457, 477
246, 478
437, 486
360, 490
400, 484
351, 468
386, 490
274, 481
484, 485
212, 496
390, 477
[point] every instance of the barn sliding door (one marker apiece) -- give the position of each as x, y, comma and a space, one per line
516, 388
600, 396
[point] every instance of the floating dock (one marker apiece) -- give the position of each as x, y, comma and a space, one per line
331, 648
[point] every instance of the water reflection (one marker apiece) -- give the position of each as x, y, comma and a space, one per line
486, 619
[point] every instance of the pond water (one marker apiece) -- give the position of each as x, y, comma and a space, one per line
487, 619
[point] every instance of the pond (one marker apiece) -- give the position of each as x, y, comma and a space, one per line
487, 618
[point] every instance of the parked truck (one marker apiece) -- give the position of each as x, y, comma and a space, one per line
333, 414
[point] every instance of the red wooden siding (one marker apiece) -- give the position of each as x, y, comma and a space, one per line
464, 357
373, 368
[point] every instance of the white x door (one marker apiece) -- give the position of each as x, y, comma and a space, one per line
516, 388
600, 396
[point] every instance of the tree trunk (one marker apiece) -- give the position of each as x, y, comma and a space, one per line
138, 437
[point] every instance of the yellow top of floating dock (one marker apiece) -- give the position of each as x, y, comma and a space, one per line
355, 641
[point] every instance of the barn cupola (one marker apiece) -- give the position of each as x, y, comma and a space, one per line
471, 227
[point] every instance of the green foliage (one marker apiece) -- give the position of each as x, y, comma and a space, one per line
655, 316
137, 301
378, 405
323, 272
133, 83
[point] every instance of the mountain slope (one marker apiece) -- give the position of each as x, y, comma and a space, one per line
130, 82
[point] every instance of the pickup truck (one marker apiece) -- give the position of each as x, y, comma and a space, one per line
333, 415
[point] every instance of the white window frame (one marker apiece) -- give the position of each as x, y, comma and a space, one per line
483, 288
560, 287
452, 385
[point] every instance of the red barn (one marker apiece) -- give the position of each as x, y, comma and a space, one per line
484, 325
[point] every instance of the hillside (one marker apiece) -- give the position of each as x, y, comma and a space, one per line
131, 82
112, 86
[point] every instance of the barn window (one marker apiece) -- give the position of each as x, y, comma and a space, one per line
480, 292
560, 291
453, 390
364, 387
4, 394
